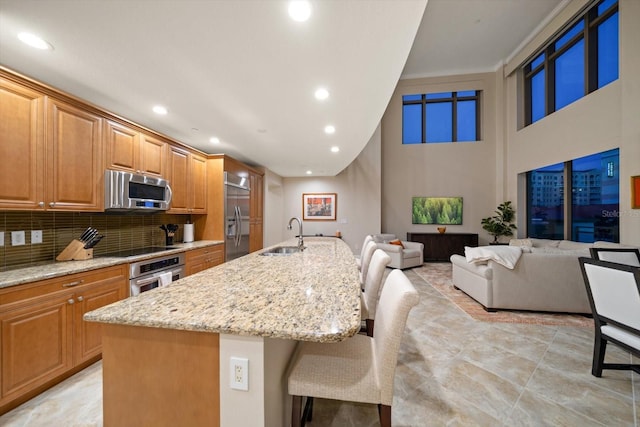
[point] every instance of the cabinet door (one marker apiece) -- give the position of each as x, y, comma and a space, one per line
121, 147
36, 343
88, 335
178, 179
153, 156
255, 236
198, 184
75, 173
21, 147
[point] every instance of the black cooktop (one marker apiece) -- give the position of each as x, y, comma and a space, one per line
139, 251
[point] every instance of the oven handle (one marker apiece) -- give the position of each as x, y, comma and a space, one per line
156, 276
142, 282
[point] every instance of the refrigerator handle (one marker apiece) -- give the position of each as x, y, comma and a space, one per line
238, 226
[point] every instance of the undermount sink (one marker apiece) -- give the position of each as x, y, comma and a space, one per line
281, 250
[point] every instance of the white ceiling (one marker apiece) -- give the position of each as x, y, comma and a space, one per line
245, 72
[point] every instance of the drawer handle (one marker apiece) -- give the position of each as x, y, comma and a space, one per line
72, 284
80, 299
70, 301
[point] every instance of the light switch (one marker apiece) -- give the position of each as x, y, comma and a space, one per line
36, 236
1, 238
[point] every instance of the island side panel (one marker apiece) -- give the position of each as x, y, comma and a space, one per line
160, 377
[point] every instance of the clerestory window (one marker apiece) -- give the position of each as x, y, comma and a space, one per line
581, 60
441, 117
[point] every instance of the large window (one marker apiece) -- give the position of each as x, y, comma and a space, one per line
579, 61
593, 206
441, 117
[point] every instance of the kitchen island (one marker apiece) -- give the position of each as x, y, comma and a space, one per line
166, 352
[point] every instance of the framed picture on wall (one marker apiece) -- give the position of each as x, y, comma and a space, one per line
319, 206
635, 192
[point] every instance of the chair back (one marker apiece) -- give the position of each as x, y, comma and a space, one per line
614, 292
628, 256
368, 238
373, 283
396, 300
366, 260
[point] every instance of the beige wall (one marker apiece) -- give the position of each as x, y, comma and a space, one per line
466, 169
358, 204
487, 172
603, 120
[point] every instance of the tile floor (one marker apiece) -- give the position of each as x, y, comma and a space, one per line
452, 371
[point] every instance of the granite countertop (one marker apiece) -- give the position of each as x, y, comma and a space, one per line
49, 270
310, 296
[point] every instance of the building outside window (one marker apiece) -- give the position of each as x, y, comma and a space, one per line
441, 117
580, 60
593, 208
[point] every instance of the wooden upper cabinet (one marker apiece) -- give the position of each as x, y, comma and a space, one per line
178, 170
75, 173
21, 147
198, 184
153, 156
122, 147
188, 181
132, 151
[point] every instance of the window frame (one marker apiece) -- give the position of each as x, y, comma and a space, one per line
454, 99
589, 33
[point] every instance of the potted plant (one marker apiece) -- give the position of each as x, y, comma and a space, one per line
500, 224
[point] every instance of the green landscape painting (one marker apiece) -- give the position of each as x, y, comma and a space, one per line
437, 210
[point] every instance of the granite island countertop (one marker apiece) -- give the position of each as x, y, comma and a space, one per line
313, 295
52, 269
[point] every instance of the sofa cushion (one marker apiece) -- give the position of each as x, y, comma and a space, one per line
568, 244
558, 251
527, 243
541, 243
384, 237
603, 244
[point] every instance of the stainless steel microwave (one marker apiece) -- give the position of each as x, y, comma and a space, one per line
130, 192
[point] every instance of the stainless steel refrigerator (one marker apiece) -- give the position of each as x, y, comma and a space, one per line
236, 208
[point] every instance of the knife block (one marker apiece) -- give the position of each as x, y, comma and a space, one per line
75, 251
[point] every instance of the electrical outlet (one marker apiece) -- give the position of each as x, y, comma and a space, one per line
17, 238
36, 236
239, 373
1, 238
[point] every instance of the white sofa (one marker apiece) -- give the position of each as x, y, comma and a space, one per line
547, 277
409, 255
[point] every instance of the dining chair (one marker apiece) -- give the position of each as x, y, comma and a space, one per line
368, 238
360, 368
366, 259
614, 294
628, 256
372, 287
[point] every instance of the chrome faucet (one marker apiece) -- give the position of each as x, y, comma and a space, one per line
300, 241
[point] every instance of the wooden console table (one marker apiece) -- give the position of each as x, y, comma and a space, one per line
439, 247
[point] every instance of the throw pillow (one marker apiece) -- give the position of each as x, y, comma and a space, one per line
397, 242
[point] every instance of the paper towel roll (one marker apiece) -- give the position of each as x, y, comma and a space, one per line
188, 233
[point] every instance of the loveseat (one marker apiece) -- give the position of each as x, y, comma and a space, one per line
546, 277
404, 254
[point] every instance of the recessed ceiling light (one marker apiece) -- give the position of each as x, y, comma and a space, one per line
299, 10
159, 109
309, 172
335, 149
329, 129
214, 140
35, 41
321, 94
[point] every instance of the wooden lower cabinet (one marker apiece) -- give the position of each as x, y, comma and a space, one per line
43, 338
440, 247
203, 258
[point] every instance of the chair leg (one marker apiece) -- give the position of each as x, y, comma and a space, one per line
308, 409
384, 411
370, 323
599, 348
296, 406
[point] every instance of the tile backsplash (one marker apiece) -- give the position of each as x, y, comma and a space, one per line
120, 232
